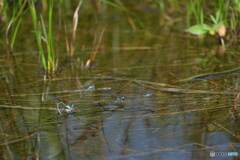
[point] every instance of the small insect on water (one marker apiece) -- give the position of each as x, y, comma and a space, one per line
63, 108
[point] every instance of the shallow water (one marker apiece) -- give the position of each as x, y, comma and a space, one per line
128, 105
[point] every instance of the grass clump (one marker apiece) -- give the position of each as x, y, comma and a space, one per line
44, 37
14, 21
214, 18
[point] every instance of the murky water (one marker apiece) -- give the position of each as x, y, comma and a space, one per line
129, 104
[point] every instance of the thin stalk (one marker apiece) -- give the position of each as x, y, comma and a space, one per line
14, 24
51, 56
15, 31
71, 48
38, 35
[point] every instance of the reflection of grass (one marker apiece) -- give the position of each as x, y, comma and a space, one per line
44, 37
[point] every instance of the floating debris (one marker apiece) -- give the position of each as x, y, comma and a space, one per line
91, 88
148, 94
105, 89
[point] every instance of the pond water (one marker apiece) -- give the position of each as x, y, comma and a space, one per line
130, 103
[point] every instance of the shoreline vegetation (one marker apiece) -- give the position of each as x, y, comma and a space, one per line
216, 18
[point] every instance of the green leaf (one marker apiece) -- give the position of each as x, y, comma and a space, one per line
214, 20
199, 29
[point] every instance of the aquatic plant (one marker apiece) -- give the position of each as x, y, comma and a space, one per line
213, 17
70, 44
14, 22
217, 27
44, 37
